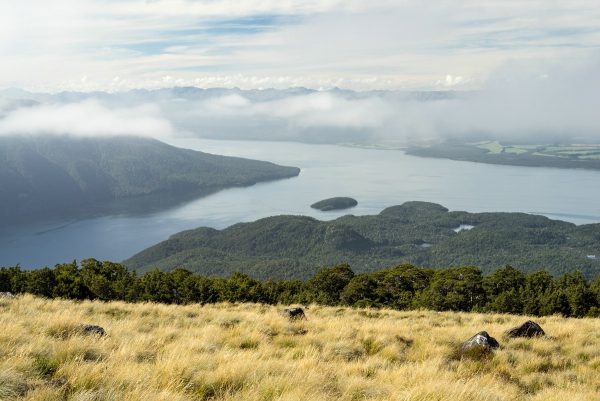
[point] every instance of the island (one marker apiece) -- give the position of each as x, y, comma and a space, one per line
337, 203
420, 233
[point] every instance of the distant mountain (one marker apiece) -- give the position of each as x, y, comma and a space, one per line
191, 93
46, 176
424, 234
8, 105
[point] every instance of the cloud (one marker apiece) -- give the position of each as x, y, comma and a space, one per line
532, 100
522, 100
319, 109
379, 44
87, 118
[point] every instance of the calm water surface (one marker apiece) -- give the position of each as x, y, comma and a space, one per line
376, 178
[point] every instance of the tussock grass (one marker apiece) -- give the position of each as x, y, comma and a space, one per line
250, 352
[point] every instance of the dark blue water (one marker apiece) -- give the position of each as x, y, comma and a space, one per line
376, 178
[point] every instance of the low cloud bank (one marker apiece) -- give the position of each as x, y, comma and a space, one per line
525, 101
87, 118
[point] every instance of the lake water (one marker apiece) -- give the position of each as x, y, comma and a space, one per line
376, 178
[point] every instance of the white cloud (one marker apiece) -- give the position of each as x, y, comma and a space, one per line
326, 110
523, 100
317, 43
88, 118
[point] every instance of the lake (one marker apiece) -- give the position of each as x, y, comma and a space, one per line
376, 178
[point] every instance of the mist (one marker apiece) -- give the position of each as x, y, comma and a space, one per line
525, 101
88, 118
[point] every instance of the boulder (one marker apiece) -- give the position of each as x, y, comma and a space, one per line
478, 345
294, 313
8, 295
93, 329
527, 329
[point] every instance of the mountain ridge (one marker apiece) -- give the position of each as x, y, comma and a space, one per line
58, 174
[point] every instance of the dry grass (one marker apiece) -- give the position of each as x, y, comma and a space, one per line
250, 352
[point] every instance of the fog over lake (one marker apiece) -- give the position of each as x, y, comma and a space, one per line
376, 178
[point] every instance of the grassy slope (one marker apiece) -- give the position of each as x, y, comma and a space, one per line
250, 352
295, 246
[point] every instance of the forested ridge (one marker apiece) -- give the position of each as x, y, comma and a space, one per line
420, 233
46, 176
401, 287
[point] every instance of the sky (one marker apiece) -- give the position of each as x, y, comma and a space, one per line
117, 45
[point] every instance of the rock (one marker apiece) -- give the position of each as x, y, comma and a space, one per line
481, 339
479, 345
93, 329
294, 313
527, 329
8, 295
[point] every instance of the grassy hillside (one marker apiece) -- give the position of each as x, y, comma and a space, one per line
421, 233
41, 176
250, 352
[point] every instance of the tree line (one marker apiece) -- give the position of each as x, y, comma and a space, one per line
402, 287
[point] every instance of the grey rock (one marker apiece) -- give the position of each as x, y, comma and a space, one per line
93, 329
294, 313
481, 342
527, 329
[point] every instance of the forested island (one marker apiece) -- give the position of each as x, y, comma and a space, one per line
43, 177
424, 234
337, 203
585, 156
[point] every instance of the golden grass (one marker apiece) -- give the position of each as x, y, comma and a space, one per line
250, 352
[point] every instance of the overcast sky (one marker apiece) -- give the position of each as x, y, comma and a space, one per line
116, 45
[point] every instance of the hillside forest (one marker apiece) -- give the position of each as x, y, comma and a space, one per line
402, 287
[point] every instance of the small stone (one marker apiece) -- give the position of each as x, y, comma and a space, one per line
93, 329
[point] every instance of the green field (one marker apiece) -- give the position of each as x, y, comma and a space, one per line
491, 147
511, 149
567, 151
585, 156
